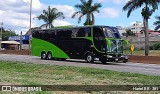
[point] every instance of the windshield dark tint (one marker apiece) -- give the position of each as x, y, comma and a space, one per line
116, 32
108, 32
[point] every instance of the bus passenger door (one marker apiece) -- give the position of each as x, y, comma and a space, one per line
99, 39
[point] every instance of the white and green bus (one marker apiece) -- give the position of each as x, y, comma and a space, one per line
91, 43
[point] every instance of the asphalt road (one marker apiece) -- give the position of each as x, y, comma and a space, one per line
150, 69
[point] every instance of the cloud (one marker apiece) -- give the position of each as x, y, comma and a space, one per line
109, 13
119, 1
113, 1
61, 23
67, 10
15, 14
102, 1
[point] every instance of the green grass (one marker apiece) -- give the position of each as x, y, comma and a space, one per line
17, 73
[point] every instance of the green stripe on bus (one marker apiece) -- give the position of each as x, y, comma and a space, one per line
127, 43
39, 45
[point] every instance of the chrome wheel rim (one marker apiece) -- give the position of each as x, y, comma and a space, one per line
49, 56
89, 58
43, 55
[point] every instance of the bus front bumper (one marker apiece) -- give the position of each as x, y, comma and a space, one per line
117, 58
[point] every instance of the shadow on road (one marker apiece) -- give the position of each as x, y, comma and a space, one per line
95, 62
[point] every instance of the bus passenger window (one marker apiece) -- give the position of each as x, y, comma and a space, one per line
35, 34
63, 34
74, 33
67, 33
53, 34
88, 32
81, 33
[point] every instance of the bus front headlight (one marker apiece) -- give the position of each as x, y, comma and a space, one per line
109, 56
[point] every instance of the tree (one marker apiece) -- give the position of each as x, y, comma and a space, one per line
129, 32
149, 7
7, 33
157, 23
48, 16
86, 8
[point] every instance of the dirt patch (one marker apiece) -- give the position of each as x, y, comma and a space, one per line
18, 52
145, 59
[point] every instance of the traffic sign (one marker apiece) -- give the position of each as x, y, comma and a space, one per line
132, 47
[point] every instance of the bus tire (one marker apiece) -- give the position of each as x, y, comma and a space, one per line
89, 58
43, 55
49, 55
125, 61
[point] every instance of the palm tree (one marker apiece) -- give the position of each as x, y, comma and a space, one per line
48, 16
149, 7
157, 23
86, 8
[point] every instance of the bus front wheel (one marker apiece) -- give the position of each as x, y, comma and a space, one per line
89, 58
43, 55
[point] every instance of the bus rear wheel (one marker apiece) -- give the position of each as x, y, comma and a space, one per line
89, 58
49, 55
43, 55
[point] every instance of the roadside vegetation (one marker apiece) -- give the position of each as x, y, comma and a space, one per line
16, 73
155, 46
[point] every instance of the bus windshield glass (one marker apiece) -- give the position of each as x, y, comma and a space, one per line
108, 32
116, 46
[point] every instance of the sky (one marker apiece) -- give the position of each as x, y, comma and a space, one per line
15, 13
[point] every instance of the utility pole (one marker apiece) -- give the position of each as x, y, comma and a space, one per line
30, 31
1, 36
21, 41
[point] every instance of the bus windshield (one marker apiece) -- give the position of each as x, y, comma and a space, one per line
116, 32
108, 32
116, 46
111, 32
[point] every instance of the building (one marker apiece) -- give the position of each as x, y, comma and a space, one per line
136, 27
121, 30
25, 41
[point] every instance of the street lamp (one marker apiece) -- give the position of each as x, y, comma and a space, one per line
30, 31
1, 35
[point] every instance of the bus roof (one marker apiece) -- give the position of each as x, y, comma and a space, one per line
71, 27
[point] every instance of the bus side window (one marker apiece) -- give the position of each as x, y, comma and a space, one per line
98, 34
46, 35
74, 33
63, 34
35, 34
41, 34
81, 33
67, 33
59, 33
88, 32
53, 34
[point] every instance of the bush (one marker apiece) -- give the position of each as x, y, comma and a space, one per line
155, 46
